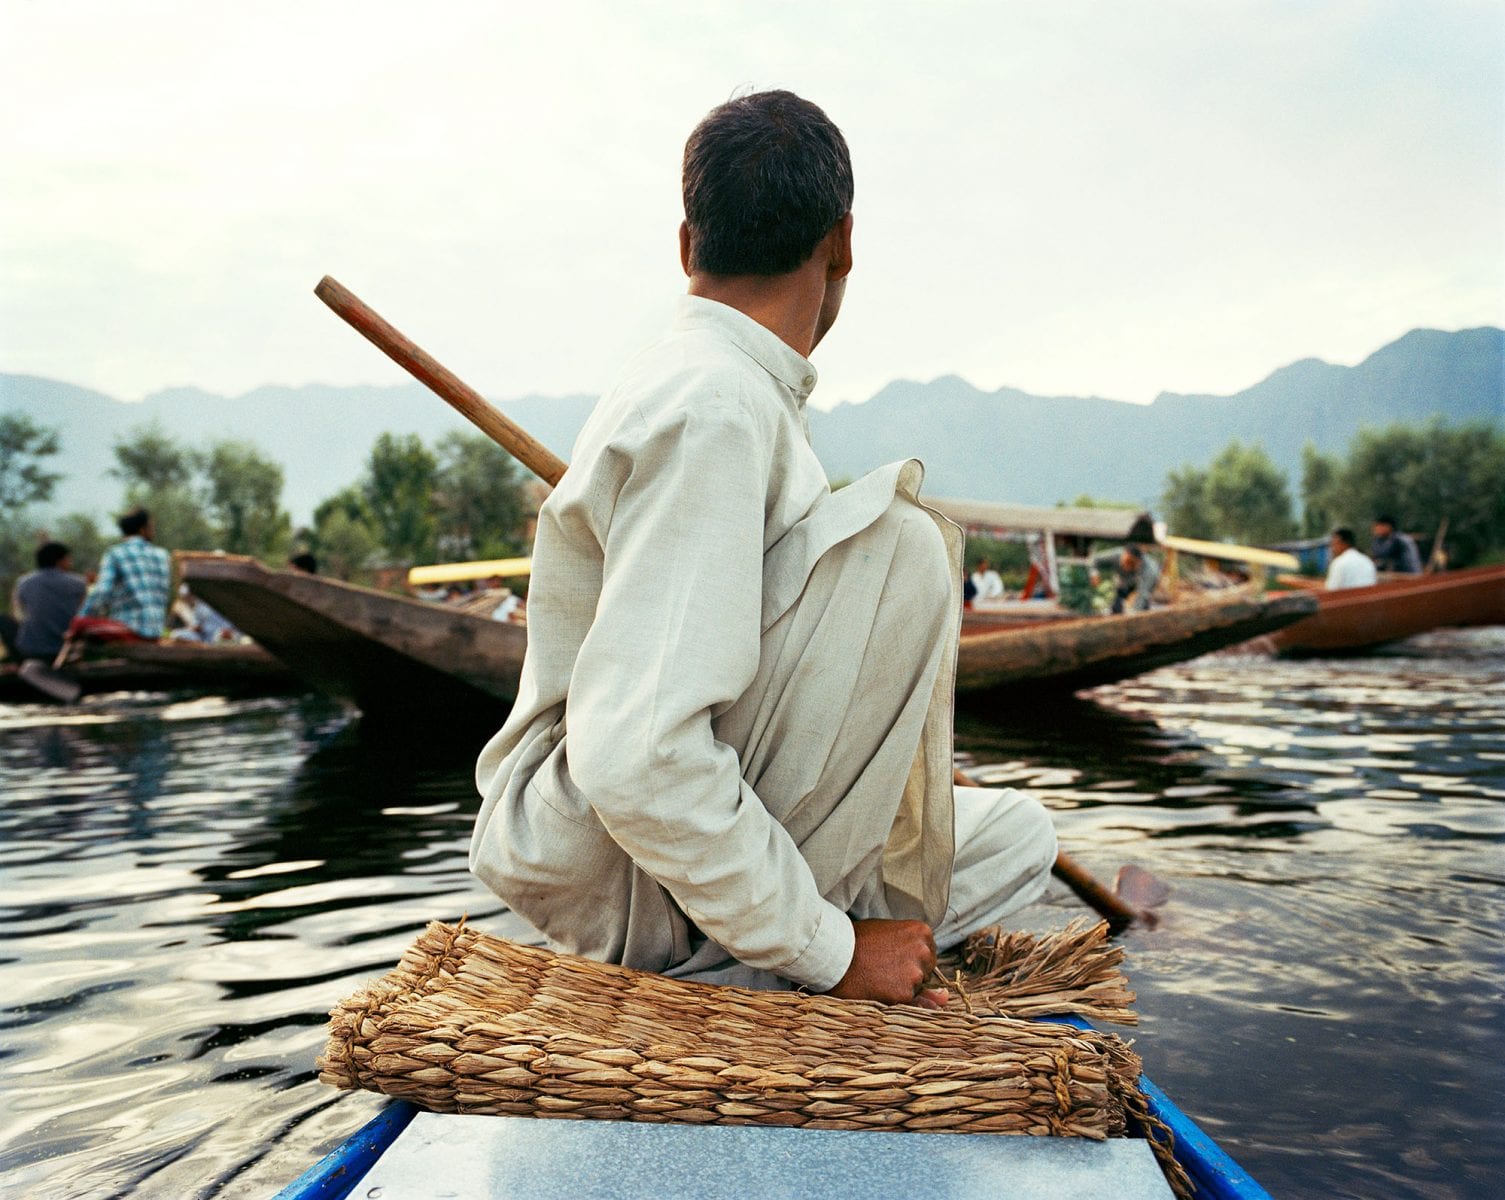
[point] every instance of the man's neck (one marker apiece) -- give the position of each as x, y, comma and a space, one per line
786, 305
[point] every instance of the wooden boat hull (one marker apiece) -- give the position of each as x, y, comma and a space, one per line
1353, 619
1088, 651
389, 655
162, 667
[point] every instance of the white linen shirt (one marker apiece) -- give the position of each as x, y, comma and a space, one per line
688, 523
1351, 569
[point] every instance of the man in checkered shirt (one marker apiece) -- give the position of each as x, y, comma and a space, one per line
135, 582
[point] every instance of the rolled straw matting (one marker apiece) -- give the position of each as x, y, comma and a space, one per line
470, 1023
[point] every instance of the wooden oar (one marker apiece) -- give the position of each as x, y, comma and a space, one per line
1109, 905
549, 467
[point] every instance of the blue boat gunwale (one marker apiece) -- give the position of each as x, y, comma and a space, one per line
336, 1175
1214, 1172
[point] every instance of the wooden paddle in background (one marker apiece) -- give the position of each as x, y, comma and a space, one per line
549, 467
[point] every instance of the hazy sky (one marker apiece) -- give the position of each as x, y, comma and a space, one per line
1076, 198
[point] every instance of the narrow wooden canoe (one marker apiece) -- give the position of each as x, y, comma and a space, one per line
389, 655
164, 666
1351, 619
394, 656
1087, 651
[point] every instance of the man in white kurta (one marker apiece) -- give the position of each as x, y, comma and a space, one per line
1350, 567
730, 755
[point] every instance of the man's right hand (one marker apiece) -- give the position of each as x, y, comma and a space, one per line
890, 963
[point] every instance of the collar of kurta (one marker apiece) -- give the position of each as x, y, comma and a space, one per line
763, 346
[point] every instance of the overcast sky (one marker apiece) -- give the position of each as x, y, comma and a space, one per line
1071, 198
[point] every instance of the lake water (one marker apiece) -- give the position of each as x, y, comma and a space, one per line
186, 886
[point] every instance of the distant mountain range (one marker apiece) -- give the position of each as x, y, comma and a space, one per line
1005, 445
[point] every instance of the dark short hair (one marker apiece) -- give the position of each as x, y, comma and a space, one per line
134, 522
305, 562
1134, 549
1345, 535
766, 176
1385, 519
49, 554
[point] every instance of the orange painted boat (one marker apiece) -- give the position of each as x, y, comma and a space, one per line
1353, 619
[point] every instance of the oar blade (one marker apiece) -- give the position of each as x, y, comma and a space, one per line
52, 684
1140, 889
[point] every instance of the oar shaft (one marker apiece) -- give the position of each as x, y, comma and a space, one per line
1075, 876
413, 359
1105, 903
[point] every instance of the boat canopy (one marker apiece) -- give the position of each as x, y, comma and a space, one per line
505, 568
1228, 552
1109, 524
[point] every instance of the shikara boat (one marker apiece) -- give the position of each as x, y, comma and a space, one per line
1355, 619
1069, 655
389, 655
161, 667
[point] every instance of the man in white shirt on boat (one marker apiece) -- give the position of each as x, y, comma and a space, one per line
988, 582
1350, 567
730, 754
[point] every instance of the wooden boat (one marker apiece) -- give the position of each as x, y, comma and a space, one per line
402, 1152
1087, 651
390, 655
1352, 619
393, 656
163, 666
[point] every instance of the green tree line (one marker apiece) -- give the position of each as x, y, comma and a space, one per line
1422, 474
463, 498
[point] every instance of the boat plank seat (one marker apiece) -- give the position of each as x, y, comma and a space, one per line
484, 1158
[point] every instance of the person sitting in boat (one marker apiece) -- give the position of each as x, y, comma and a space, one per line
988, 582
506, 602
193, 620
1350, 567
1216, 576
1392, 550
730, 754
129, 599
44, 603
1138, 575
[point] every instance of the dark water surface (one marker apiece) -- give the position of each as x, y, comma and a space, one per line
186, 887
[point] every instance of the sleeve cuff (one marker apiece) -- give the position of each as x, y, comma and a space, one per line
825, 959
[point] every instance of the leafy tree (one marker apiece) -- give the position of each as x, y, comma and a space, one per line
1185, 502
344, 544
23, 446
151, 461
1423, 474
351, 502
1086, 501
1240, 497
479, 498
243, 493
398, 490
1247, 496
1319, 481
83, 536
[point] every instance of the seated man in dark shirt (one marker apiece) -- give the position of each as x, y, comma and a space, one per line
1393, 550
45, 601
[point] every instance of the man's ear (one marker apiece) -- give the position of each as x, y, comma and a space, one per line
684, 246
839, 265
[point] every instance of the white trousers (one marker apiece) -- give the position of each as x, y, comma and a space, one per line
833, 772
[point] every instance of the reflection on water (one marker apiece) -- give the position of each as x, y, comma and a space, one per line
186, 888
